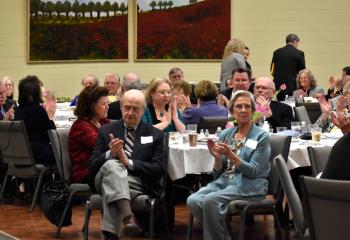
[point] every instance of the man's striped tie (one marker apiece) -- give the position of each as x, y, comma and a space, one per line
129, 142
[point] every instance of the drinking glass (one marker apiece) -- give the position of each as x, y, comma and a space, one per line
316, 134
296, 126
192, 127
281, 129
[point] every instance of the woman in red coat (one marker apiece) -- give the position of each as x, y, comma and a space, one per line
91, 110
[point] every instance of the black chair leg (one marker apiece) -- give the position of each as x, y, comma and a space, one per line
88, 212
242, 225
37, 189
63, 216
3, 188
151, 219
278, 223
190, 227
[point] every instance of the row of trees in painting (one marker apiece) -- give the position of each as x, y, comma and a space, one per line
66, 8
65, 31
199, 30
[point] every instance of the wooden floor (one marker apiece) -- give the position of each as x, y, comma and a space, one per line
16, 220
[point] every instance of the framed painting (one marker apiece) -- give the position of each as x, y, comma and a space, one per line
78, 30
182, 29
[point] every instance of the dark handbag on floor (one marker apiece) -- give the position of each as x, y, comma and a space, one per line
53, 200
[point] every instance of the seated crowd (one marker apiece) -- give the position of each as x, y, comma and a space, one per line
116, 142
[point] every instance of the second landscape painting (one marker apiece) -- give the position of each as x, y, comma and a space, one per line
182, 29
78, 30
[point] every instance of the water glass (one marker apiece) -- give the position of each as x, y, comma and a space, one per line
192, 127
173, 137
296, 126
281, 129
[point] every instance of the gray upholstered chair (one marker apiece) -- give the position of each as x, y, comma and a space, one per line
301, 114
279, 145
327, 205
17, 154
318, 158
294, 203
59, 143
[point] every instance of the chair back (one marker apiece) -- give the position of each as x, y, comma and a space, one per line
313, 110
327, 204
15, 145
59, 143
211, 123
301, 115
280, 166
165, 176
318, 158
279, 145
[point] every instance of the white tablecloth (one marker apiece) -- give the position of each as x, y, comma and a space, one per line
298, 155
63, 115
192, 160
188, 160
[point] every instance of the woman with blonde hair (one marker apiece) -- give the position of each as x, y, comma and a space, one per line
232, 58
161, 110
9, 85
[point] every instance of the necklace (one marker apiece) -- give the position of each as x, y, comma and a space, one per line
96, 124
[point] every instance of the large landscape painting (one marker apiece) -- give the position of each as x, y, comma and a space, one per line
182, 29
78, 30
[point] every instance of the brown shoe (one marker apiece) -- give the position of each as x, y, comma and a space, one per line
131, 227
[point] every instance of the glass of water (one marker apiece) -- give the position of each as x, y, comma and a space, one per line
296, 126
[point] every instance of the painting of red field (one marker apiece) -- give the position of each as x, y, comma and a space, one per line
78, 30
182, 29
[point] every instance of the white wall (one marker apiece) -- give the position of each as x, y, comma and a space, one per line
262, 25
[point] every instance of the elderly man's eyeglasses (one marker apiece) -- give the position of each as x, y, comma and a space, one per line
130, 108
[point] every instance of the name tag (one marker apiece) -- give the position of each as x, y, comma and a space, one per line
146, 139
251, 144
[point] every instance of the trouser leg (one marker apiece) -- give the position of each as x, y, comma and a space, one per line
112, 182
195, 200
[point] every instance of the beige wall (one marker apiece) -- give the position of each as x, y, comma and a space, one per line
263, 25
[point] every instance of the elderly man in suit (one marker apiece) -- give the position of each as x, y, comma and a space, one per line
286, 63
128, 160
276, 113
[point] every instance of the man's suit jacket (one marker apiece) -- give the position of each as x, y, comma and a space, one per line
114, 111
282, 115
147, 154
227, 93
286, 63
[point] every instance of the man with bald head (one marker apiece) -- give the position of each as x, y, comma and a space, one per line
276, 113
130, 81
128, 160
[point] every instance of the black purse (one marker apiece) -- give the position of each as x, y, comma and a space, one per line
53, 200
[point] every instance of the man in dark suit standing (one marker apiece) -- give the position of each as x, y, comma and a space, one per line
276, 113
128, 160
286, 63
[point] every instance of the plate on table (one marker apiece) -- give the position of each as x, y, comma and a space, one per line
205, 139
